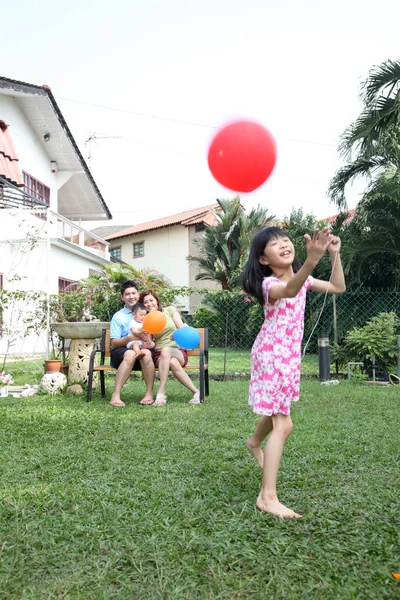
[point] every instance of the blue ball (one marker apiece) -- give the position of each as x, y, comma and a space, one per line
187, 337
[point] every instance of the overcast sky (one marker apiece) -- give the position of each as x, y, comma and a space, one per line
177, 69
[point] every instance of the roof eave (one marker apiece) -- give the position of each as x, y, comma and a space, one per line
28, 88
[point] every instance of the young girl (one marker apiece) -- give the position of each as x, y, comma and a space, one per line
274, 276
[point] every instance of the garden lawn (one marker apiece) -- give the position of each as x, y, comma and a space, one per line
238, 362
159, 503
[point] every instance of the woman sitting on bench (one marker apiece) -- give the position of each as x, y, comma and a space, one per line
167, 354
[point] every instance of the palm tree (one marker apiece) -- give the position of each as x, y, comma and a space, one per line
223, 248
378, 222
380, 160
380, 94
112, 276
374, 138
372, 145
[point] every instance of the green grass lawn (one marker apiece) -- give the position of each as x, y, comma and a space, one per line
159, 503
238, 361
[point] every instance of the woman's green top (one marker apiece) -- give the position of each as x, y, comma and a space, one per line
163, 339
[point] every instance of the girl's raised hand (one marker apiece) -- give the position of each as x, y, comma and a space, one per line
336, 243
318, 243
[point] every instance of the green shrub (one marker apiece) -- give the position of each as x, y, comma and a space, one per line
377, 338
204, 317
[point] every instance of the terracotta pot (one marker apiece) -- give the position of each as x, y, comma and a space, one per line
52, 366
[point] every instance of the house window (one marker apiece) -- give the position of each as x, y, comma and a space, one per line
36, 189
199, 227
138, 249
67, 285
116, 252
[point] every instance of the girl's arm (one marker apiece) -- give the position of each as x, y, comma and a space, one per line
316, 247
337, 285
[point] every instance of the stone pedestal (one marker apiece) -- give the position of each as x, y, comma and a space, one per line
79, 356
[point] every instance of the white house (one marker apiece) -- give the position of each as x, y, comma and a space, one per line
46, 194
163, 244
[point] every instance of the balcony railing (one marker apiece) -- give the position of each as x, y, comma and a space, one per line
12, 197
75, 234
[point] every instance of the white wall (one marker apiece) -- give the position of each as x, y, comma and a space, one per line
164, 250
25, 268
32, 157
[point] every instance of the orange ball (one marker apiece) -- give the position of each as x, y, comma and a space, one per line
154, 321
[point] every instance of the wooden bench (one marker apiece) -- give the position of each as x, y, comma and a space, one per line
105, 353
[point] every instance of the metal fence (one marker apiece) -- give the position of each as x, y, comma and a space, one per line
234, 320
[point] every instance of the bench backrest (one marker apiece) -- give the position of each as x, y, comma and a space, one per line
203, 345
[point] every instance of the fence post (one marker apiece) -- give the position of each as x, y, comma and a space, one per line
323, 357
398, 356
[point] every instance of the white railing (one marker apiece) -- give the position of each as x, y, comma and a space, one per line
75, 234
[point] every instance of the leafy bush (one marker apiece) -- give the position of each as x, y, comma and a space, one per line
377, 338
204, 317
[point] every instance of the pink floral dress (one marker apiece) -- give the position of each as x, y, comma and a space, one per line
276, 353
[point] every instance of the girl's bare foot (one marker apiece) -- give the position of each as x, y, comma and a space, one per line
274, 507
256, 452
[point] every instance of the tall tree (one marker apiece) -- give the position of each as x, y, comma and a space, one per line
223, 248
372, 146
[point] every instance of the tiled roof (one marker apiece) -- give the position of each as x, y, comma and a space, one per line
38, 91
349, 218
9, 168
195, 216
105, 230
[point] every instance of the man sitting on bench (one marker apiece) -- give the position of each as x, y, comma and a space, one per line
125, 359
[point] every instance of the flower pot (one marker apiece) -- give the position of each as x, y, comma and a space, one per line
52, 366
3, 391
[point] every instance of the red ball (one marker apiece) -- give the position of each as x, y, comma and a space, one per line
242, 156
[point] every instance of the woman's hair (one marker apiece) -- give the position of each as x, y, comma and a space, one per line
254, 272
150, 293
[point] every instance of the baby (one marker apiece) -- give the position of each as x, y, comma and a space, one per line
142, 339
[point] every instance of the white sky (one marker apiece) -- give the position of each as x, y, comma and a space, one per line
293, 66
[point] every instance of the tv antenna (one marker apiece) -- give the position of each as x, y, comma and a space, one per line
97, 136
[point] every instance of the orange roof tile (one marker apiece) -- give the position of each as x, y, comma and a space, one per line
9, 168
350, 217
203, 214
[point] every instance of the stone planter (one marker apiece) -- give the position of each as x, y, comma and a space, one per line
83, 338
91, 330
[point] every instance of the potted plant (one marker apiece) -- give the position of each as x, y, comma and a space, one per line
72, 319
52, 365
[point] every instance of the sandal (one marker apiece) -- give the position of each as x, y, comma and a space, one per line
160, 400
195, 399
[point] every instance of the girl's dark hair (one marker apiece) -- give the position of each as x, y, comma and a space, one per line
254, 272
150, 293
